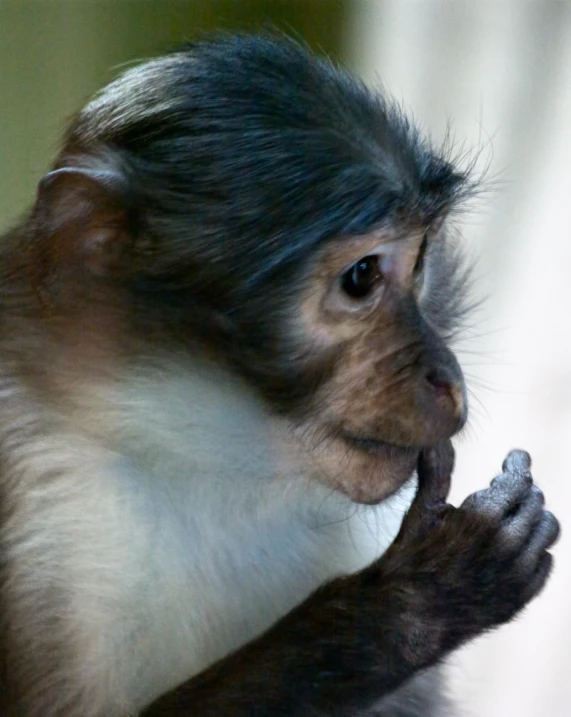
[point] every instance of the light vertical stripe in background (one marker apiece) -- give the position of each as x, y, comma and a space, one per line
501, 73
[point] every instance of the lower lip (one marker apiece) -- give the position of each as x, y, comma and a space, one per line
380, 448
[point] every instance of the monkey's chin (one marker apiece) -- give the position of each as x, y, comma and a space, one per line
366, 470
381, 469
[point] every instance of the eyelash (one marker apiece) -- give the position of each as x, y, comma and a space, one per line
421, 258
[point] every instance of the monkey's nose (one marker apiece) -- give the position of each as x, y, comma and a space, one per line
447, 387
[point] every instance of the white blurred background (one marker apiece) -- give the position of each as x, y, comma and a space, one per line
500, 74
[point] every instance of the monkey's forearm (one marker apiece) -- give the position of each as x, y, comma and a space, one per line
338, 653
342, 650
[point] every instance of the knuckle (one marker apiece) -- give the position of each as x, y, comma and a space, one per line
537, 495
497, 481
512, 485
513, 537
532, 506
551, 526
477, 501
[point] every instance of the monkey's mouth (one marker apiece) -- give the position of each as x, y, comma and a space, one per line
379, 470
381, 448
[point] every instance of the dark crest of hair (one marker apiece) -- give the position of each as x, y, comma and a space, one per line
254, 144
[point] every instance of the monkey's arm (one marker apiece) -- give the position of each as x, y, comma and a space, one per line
450, 575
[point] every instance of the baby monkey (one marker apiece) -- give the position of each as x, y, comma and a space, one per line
225, 335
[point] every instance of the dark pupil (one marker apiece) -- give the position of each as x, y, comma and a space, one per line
361, 277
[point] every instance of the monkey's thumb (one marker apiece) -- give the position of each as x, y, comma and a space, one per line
434, 468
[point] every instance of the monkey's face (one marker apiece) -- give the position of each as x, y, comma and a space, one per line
392, 385
207, 225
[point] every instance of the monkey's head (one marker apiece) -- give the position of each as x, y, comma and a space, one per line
244, 201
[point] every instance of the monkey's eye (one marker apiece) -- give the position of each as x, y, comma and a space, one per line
360, 280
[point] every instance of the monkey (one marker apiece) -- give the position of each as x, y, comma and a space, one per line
226, 365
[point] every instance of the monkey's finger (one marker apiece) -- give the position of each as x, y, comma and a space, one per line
517, 461
435, 467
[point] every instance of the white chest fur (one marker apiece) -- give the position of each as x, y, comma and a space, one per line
176, 536
204, 581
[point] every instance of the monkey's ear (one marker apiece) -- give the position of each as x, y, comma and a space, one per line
84, 215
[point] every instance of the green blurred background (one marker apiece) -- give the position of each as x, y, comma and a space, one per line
55, 53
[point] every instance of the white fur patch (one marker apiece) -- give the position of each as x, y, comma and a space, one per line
170, 516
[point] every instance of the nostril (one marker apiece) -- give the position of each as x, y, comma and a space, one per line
442, 383
439, 380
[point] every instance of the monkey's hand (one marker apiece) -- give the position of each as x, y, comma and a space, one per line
474, 567
451, 574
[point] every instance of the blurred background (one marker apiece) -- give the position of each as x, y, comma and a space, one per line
499, 75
